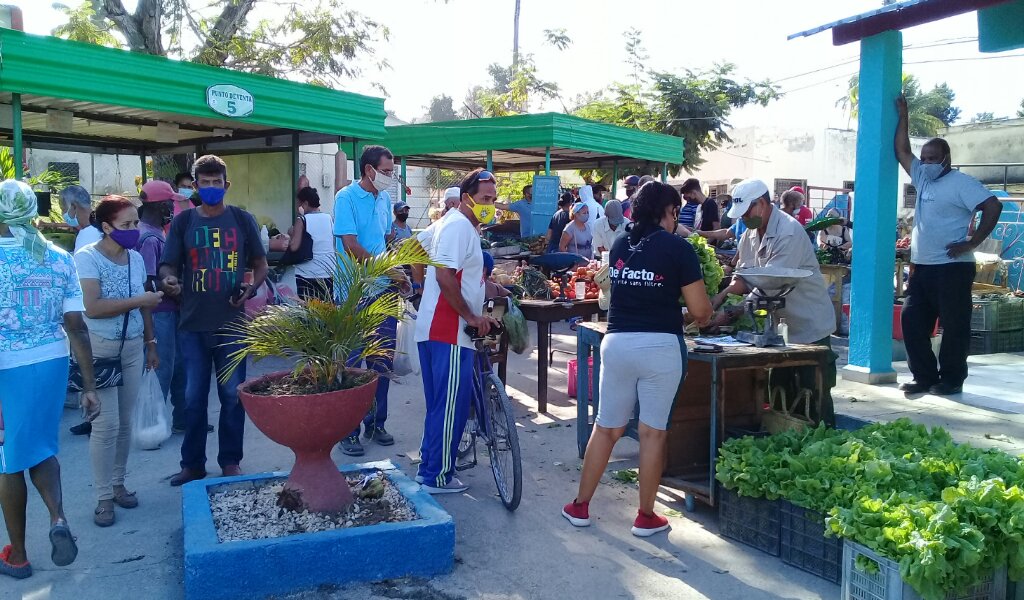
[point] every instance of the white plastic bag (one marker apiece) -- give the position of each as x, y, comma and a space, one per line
151, 425
407, 355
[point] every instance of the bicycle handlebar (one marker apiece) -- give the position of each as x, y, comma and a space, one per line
474, 333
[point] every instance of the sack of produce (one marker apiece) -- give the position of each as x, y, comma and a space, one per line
518, 329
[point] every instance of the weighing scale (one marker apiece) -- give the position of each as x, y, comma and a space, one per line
769, 288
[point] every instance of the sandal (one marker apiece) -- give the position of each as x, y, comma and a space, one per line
104, 514
64, 548
125, 499
22, 571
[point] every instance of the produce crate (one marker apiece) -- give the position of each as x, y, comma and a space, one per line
753, 521
997, 315
887, 584
994, 342
803, 543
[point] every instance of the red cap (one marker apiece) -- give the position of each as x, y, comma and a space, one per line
797, 188
159, 191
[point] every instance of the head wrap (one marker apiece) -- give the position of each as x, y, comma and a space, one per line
17, 209
575, 209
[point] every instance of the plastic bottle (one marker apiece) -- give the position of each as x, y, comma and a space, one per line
784, 331
265, 238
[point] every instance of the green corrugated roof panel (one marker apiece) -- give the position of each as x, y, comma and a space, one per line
554, 130
56, 68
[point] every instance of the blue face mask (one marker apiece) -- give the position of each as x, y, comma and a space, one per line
932, 171
212, 196
72, 221
186, 192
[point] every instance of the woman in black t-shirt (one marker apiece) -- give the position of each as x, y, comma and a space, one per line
643, 355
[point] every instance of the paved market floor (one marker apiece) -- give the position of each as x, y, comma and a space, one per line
531, 554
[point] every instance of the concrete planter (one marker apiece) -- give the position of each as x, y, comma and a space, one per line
259, 568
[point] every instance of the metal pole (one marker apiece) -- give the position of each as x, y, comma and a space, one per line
615, 178
402, 182
355, 164
490, 160
547, 160
664, 173
142, 157
19, 148
295, 174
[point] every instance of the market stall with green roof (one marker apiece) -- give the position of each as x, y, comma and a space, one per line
69, 96
541, 142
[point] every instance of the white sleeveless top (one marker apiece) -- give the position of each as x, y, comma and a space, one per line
320, 226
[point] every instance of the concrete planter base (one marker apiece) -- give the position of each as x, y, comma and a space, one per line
258, 568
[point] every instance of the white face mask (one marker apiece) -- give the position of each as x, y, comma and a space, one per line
932, 171
382, 182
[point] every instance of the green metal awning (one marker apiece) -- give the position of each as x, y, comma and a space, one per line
521, 143
125, 101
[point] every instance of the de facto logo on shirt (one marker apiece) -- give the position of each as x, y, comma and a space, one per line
641, 277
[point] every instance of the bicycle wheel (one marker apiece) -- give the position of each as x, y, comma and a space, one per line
503, 445
468, 435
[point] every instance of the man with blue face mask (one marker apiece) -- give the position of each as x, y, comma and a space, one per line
207, 253
942, 256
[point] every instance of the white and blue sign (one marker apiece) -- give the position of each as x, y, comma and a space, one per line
230, 100
546, 189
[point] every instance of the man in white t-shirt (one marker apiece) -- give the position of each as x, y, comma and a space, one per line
453, 297
942, 253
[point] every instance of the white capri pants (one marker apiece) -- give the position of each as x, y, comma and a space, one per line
645, 367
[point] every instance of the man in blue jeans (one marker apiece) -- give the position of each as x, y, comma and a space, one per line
209, 248
362, 220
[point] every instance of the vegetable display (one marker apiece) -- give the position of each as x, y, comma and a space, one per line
709, 264
949, 514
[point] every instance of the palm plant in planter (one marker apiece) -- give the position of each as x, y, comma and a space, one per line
318, 402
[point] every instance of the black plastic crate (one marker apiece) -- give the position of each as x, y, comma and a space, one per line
752, 521
803, 543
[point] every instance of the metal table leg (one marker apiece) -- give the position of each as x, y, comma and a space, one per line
542, 367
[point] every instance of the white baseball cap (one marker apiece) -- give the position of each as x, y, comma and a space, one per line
744, 194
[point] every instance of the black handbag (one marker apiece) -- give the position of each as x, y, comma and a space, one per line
305, 251
107, 371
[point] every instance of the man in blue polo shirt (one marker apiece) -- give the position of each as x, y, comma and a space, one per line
362, 220
523, 208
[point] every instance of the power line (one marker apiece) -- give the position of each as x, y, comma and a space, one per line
854, 59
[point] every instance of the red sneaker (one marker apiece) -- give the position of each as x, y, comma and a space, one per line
578, 513
647, 525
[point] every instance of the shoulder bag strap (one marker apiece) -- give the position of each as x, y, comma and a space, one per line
124, 326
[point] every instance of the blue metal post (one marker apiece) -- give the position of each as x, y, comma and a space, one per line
490, 161
871, 298
402, 183
664, 173
142, 157
547, 160
19, 146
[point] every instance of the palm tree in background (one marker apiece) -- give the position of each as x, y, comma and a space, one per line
927, 111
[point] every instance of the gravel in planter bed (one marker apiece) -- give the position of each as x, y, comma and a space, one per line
252, 512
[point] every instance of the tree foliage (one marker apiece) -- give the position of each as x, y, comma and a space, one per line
318, 41
512, 89
1020, 111
441, 109
927, 111
983, 117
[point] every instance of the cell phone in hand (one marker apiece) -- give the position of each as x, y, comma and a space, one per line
239, 293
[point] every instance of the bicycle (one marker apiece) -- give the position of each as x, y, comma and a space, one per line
496, 425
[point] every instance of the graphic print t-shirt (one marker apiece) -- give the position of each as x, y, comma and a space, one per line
646, 283
211, 255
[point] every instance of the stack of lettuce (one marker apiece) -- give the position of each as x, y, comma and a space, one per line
949, 514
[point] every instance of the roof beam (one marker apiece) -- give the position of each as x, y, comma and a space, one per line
904, 17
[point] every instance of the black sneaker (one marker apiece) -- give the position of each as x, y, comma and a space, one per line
380, 435
913, 387
945, 389
82, 429
351, 446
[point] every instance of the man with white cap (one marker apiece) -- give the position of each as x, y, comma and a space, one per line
451, 199
775, 239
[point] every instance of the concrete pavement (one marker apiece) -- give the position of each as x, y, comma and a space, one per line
531, 554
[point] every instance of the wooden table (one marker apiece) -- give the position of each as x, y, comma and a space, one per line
723, 391
544, 313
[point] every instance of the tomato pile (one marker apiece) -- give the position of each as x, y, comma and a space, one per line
585, 274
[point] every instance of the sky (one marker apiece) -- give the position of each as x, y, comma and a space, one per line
440, 47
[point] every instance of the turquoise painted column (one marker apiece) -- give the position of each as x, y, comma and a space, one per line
490, 161
664, 173
142, 157
615, 178
871, 298
547, 160
19, 145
